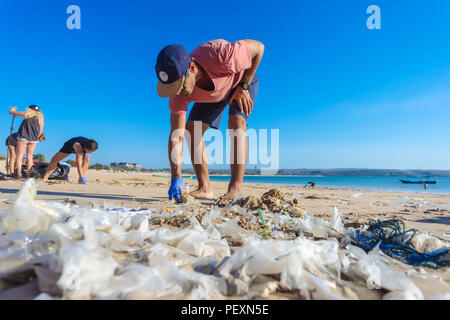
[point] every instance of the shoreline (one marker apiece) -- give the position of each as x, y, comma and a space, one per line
421, 192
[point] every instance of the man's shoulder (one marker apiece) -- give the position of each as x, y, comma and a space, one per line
215, 44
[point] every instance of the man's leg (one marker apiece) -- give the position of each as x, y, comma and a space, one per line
53, 163
30, 152
237, 126
210, 115
199, 158
20, 151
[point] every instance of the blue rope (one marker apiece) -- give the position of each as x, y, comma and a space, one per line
396, 242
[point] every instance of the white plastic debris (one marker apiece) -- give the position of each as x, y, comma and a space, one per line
235, 232
15, 254
378, 275
86, 269
411, 202
336, 220
116, 253
357, 195
29, 215
424, 242
43, 296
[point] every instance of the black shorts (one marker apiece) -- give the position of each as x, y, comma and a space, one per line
13, 141
211, 113
68, 145
67, 148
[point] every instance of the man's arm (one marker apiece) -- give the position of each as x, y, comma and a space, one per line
256, 49
242, 97
85, 166
177, 128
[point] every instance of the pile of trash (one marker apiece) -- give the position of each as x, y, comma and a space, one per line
405, 245
190, 251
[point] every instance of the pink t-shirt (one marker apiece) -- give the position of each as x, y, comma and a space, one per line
225, 64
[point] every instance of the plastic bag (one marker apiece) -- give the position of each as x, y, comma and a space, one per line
86, 269
379, 275
195, 242
29, 215
15, 253
427, 243
235, 232
336, 220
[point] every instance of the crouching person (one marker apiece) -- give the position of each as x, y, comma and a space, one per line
82, 147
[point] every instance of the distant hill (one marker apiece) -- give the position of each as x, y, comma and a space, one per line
366, 172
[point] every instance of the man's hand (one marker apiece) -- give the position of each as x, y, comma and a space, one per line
175, 189
42, 137
12, 109
243, 99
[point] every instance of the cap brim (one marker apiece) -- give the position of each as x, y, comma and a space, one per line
171, 89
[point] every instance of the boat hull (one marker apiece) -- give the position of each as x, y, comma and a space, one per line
417, 182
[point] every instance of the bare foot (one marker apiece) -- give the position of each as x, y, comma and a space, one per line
228, 197
203, 193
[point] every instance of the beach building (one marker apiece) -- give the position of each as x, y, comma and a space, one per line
126, 165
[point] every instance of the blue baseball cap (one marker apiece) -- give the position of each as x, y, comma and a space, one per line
171, 67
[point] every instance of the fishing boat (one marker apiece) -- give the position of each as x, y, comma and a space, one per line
418, 182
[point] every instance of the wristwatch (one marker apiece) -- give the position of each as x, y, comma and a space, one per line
244, 85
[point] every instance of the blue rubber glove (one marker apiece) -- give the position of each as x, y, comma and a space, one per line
175, 189
84, 180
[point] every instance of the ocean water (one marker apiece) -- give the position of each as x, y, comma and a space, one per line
353, 183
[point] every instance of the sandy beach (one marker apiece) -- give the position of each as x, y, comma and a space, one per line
424, 212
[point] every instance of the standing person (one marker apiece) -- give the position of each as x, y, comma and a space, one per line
29, 134
11, 143
214, 75
82, 147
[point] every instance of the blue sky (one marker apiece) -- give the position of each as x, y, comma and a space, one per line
342, 95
